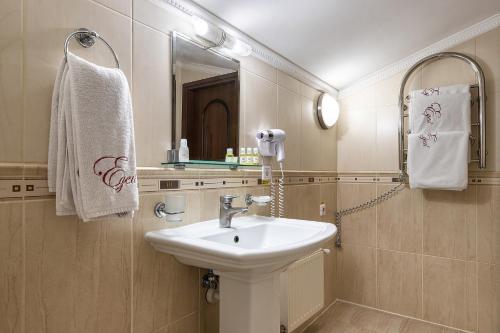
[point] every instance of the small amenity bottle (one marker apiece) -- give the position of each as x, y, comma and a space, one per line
249, 156
229, 155
184, 151
243, 156
256, 159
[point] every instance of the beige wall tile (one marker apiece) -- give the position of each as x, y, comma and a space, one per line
357, 274
387, 148
488, 298
399, 221
152, 95
257, 67
309, 92
399, 283
493, 131
328, 195
487, 50
328, 151
160, 16
360, 99
11, 85
54, 19
358, 228
289, 120
184, 325
164, 289
292, 201
488, 224
261, 105
449, 292
386, 92
302, 202
450, 71
77, 274
288, 82
11, 267
330, 267
310, 142
122, 6
356, 140
449, 226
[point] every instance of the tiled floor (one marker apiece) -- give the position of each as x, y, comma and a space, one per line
348, 318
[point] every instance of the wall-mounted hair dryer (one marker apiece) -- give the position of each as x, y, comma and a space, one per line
271, 143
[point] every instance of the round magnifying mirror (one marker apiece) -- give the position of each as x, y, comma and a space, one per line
328, 111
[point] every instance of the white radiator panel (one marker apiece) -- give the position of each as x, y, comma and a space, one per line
302, 290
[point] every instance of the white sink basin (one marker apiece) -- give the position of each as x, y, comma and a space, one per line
252, 243
248, 257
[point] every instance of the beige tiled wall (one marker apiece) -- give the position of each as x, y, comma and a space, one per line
58, 274
31, 41
426, 254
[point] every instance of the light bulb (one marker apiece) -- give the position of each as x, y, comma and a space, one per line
200, 26
236, 46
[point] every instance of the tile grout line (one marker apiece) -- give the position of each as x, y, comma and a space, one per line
403, 316
132, 222
422, 252
376, 249
477, 258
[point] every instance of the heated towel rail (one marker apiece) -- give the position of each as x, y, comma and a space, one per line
481, 100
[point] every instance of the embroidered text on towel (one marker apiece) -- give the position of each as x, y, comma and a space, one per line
111, 172
430, 91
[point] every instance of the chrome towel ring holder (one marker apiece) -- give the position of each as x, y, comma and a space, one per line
87, 38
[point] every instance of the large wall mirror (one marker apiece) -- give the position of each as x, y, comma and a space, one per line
206, 99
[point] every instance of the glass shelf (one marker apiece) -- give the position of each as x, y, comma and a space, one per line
200, 164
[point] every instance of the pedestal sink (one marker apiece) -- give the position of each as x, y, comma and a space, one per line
248, 257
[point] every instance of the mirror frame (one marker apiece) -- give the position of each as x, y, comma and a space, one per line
173, 47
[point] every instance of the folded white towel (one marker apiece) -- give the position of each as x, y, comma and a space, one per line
92, 142
440, 109
438, 160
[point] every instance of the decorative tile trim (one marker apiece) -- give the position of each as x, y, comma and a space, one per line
442, 45
259, 51
30, 180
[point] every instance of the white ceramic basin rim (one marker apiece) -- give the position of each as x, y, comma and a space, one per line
253, 242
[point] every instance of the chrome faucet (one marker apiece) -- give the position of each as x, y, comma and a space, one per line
227, 211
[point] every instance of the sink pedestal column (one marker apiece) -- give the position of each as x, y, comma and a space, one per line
249, 304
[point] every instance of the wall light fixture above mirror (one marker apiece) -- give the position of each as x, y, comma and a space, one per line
328, 110
217, 37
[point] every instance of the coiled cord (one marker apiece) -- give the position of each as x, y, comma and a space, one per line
273, 199
281, 193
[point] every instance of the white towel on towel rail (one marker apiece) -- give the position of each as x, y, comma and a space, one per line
91, 151
440, 109
438, 162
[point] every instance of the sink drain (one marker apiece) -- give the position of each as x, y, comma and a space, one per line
236, 239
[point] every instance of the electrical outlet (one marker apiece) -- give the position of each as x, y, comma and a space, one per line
322, 209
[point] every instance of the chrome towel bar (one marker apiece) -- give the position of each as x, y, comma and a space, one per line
87, 38
481, 152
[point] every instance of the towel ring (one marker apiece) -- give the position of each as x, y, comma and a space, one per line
87, 38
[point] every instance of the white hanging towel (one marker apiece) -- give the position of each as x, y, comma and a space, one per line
438, 163
91, 148
440, 109
438, 143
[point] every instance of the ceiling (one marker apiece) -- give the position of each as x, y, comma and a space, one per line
340, 41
